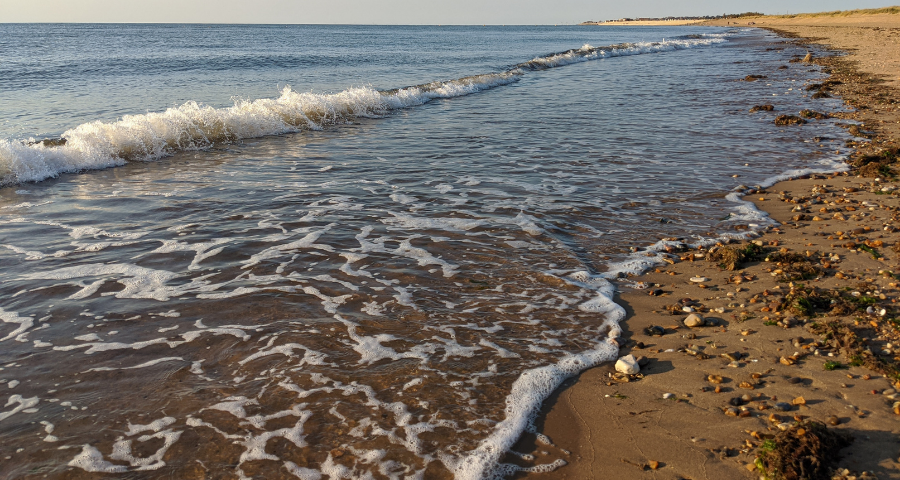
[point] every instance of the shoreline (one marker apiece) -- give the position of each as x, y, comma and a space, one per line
646, 23
624, 427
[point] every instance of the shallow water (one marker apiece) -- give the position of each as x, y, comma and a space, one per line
388, 292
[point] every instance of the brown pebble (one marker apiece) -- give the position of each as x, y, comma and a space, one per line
715, 378
799, 401
801, 432
653, 464
747, 385
832, 420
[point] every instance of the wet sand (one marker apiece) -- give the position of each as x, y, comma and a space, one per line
810, 322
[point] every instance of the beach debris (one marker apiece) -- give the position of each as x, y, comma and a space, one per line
782, 120
715, 379
627, 365
694, 320
668, 396
808, 58
734, 258
806, 450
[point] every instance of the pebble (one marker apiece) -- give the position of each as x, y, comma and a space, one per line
627, 365
715, 379
734, 356
655, 331
694, 320
699, 279
668, 395
795, 380
784, 406
832, 420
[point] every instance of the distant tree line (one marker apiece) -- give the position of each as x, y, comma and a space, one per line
662, 19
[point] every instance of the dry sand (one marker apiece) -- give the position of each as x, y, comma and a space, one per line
872, 41
762, 344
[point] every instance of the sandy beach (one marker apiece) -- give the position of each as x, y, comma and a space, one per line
798, 330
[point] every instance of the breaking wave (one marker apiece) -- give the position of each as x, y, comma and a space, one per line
194, 126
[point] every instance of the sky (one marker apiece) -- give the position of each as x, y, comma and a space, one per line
429, 12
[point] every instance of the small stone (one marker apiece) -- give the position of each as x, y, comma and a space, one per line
795, 380
784, 406
655, 331
653, 464
896, 408
800, 432
799, 401
746, 385
787, 361
643, 361
627, 365
731, 412
833, 420
668, 395
733, 356
699, 279
715, 379
693, 320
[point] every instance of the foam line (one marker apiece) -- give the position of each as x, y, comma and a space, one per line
194, 126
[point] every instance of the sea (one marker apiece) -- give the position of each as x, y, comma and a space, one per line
353, 251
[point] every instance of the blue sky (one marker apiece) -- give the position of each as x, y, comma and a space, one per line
395, 11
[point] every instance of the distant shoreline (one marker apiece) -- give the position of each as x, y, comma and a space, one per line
645, 22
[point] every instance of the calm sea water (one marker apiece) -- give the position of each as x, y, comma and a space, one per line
349, 251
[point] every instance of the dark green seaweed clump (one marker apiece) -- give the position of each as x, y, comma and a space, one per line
807, 451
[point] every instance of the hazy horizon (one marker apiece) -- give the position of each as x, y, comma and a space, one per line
391, 12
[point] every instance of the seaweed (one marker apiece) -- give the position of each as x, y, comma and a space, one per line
807, 450
734, 258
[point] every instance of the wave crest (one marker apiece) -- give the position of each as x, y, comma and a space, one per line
194, 126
